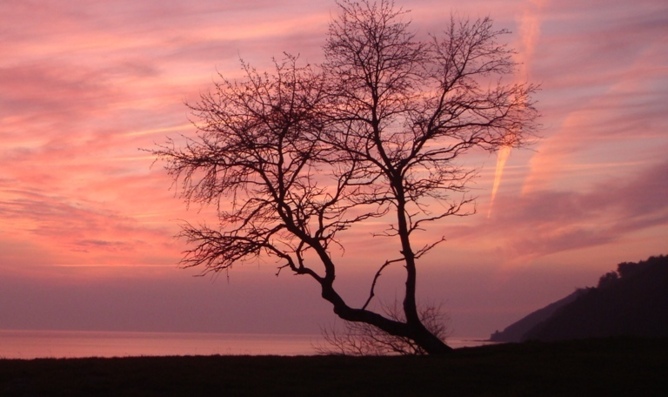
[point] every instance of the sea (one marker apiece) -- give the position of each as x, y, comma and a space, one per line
24, 344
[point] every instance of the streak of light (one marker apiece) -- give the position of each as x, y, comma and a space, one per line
501, 158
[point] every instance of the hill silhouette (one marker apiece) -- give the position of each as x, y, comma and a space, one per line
516, 331
633, 301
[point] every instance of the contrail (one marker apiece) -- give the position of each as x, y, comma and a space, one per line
529, 27
501, 158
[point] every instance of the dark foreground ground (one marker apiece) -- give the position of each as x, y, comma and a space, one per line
613, 367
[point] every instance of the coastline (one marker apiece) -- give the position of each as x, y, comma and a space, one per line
31, 344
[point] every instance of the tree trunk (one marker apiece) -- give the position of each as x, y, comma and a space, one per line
430, 343
414, 331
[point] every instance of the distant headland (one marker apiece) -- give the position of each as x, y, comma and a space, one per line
632, 301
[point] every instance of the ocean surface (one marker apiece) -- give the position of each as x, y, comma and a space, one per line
71, 344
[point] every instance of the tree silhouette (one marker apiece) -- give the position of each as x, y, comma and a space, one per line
295, 157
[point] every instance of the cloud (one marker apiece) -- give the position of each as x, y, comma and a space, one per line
545, 222
70, 232
99, 82
53, 93
604, 86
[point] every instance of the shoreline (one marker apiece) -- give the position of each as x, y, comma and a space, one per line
29, 344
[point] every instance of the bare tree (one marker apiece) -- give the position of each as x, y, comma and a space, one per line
294, 157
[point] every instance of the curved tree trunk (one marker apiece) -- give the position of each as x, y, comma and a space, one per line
415, 331
429, 342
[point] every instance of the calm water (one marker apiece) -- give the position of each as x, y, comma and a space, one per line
70, 344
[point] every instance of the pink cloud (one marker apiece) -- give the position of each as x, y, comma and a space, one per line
545, 222
81, 232
606, 84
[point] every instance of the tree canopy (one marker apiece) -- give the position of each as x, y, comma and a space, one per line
293, 157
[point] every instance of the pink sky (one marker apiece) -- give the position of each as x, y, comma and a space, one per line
86, 239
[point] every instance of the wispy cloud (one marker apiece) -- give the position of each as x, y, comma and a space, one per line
546, 222
604, 79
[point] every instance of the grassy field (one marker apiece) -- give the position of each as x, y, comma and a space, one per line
612, 367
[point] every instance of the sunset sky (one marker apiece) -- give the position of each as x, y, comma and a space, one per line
88, 221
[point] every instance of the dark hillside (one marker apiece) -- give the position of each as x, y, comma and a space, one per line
516, 331
632, 301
